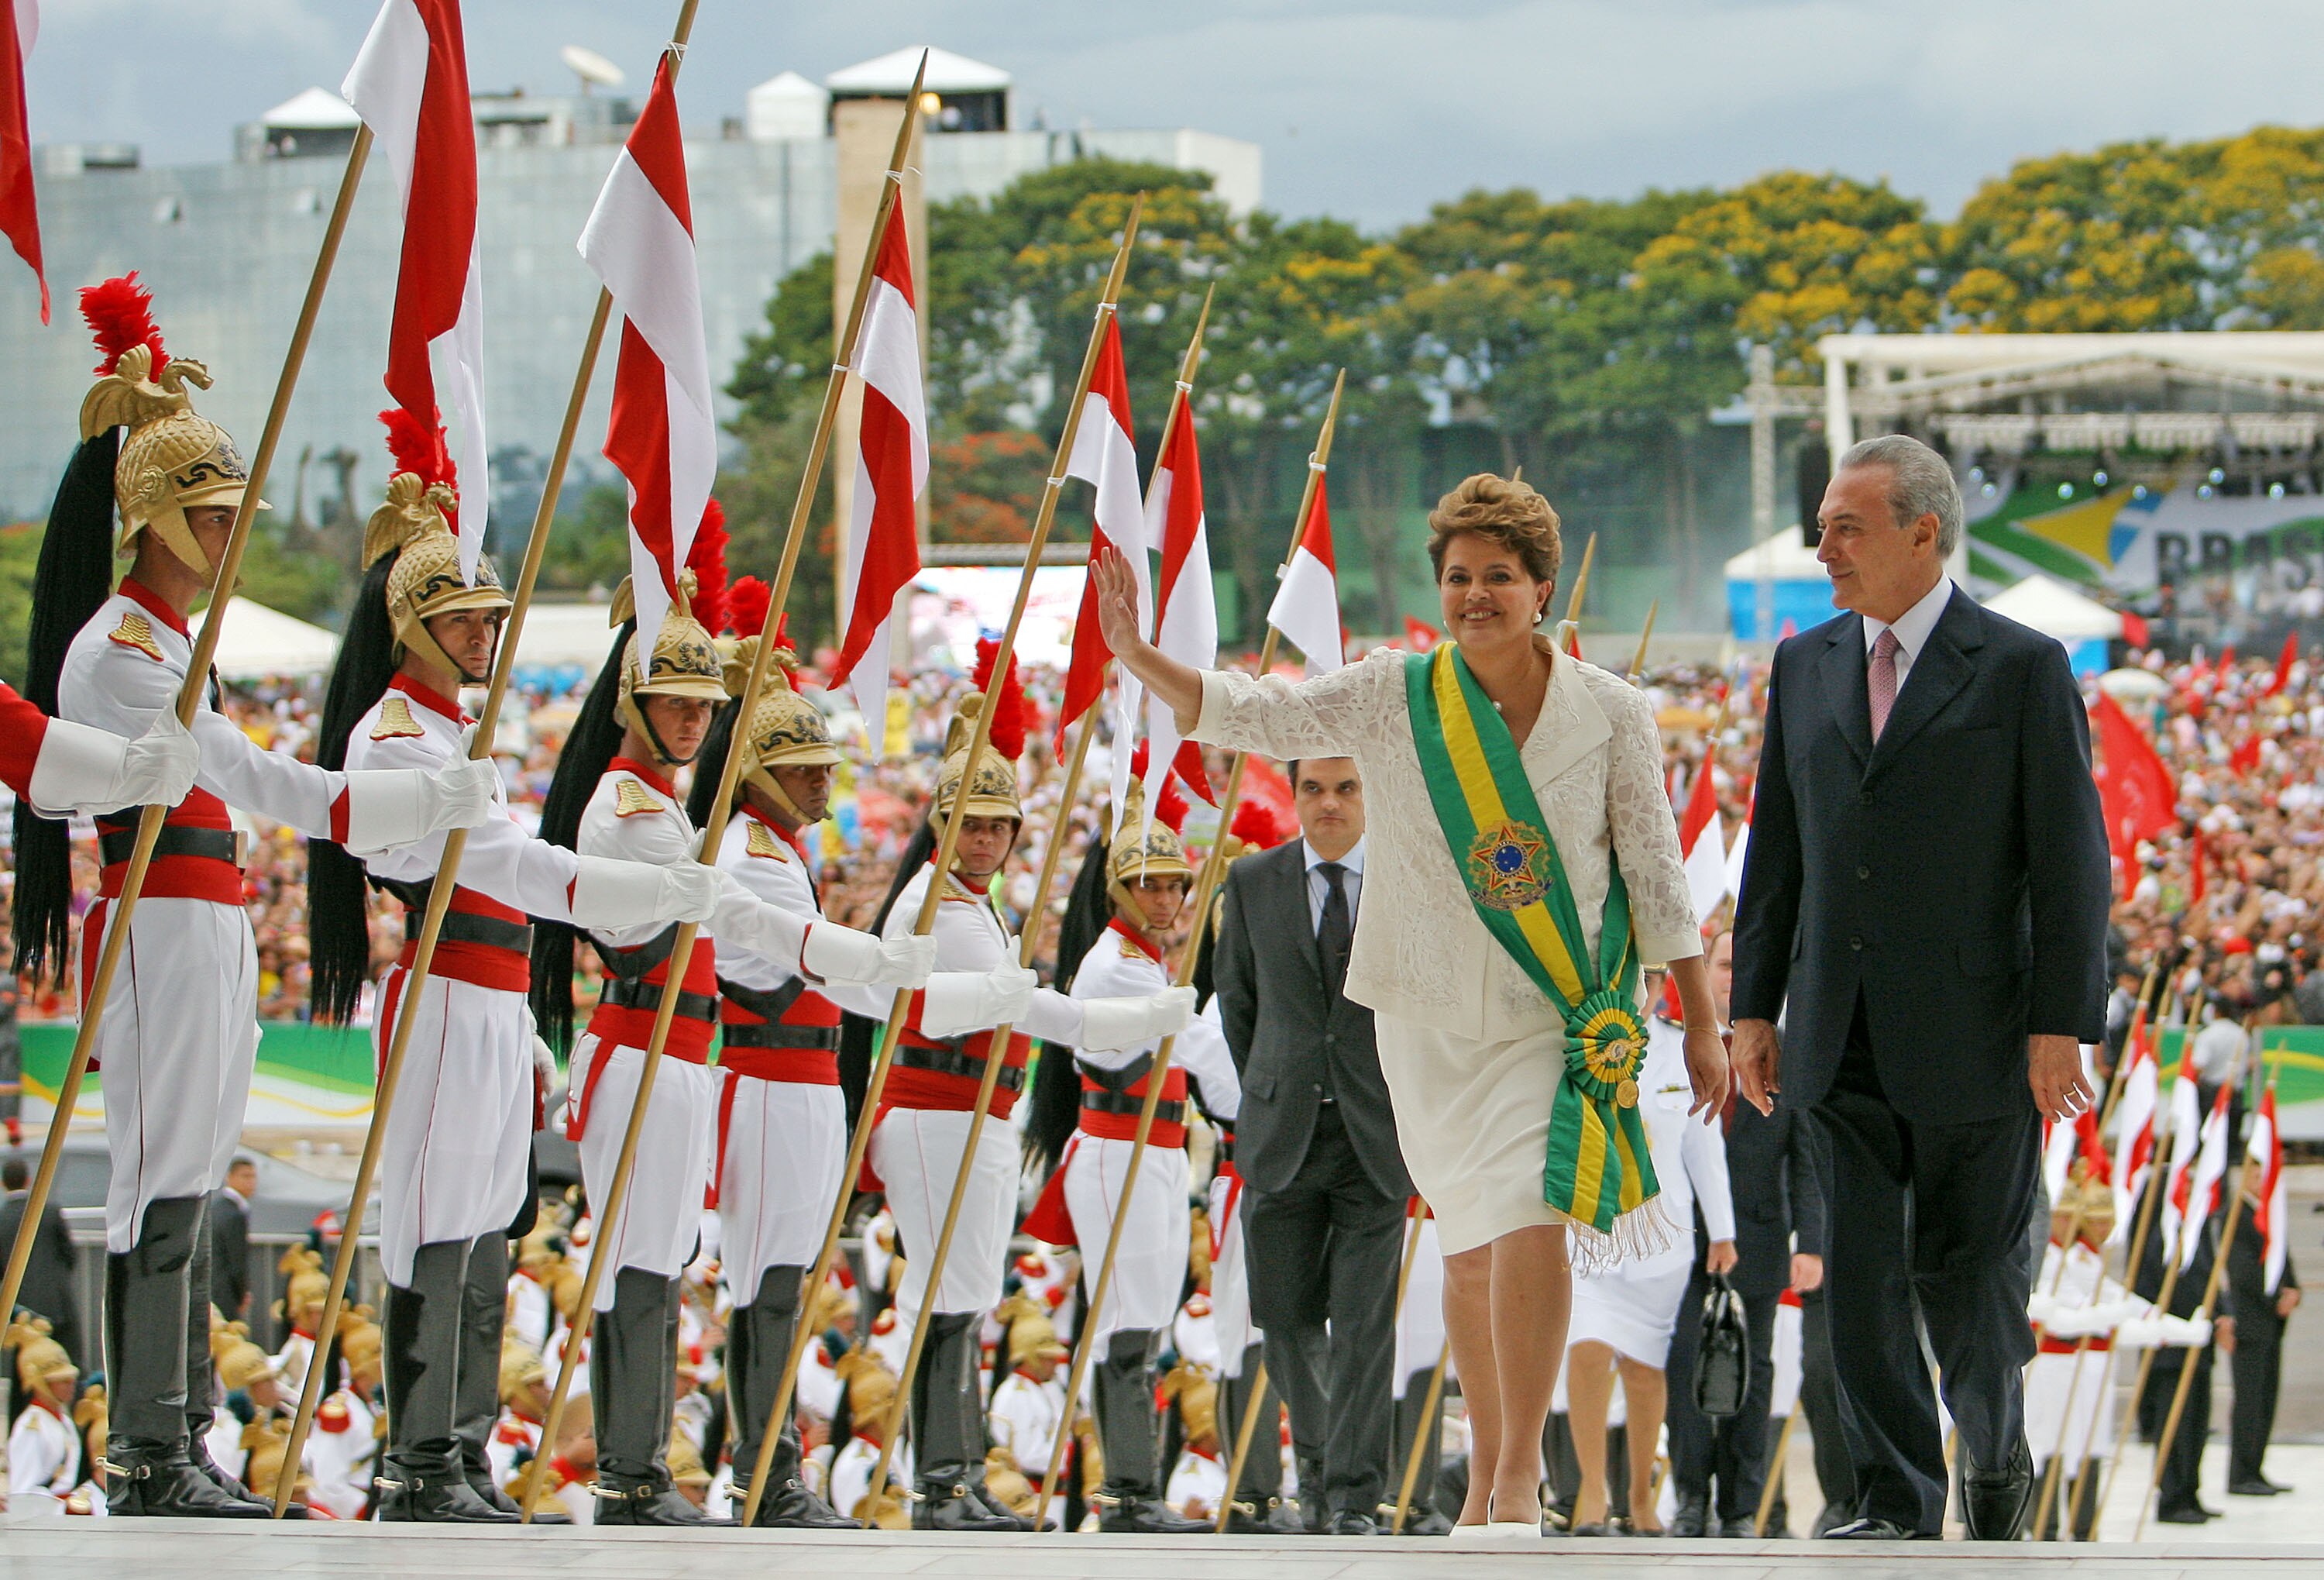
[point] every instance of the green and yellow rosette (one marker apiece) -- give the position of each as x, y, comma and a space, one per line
1598, 1169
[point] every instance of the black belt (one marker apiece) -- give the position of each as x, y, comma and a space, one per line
465, 926
621, 994
1226, 1148
949, 1060
632, 964
223, 845
1124, 1104
774, 1034
766, 1003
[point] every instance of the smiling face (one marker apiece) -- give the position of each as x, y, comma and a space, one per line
1880, 567
1489, 598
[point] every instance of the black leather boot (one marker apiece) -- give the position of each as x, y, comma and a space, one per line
475, 1385
148, 1448
1132, 1498
1259, 1493
201, 1377
633, 1390
421, 1478
950, 1456
759, 1338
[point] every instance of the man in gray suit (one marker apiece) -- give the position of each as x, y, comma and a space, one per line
1325, 1187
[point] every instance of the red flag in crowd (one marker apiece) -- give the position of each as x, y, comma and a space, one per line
2134, 786
1419, 635
2198, 859
2133, 628
2283, 662
1702, 841
2228, 660
410, 83
891, 468
663, 436
2270, 1212
20, 215
2199, 1189
2246, 756
2135, 1113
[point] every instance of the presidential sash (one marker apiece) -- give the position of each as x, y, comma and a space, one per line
1598, 1167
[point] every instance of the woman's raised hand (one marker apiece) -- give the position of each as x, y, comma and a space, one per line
1117, 602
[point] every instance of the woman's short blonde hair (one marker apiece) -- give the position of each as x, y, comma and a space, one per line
1509, 513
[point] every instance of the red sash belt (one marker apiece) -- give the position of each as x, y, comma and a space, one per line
602, 1055
2098, 1344
179, 877
689, 1036
479, 964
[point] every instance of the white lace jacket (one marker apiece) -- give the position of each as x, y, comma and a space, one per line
1421, 954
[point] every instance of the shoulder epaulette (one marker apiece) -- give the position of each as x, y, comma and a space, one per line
395, 720
630, 798
136, 630
954, 889
764, 843
1130, 951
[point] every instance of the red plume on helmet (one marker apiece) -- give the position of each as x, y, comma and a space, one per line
120, 314
424, 455
1006, 702
748, 603
707, 560
1259, 828
1170, 803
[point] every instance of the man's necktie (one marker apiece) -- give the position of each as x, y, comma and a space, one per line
1337, 935
1881, 680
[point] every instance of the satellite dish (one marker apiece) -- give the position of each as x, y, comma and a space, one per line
592, 68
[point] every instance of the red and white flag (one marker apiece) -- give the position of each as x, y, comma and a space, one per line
2200, 1189
2186, 1125
410, 83
639, 241
1306, 607
1187, 617
1704, 842
20, 215
1105, 457
1738, 854
2134, 1147
891, 468
2270, 1212
1419, 635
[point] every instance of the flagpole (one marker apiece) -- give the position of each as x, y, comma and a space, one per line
997, 1050
1638, 662
2187, 1365
609, 1207
1212, 874
1431, 1402
1243, 1433
190, 696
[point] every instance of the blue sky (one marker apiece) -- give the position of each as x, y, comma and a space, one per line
1371, 112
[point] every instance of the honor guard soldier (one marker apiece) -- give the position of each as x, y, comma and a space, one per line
64, 768
44, 1450
455, 1164
1142, 882
613, 795
782, 1122
920, 1133
180, 1029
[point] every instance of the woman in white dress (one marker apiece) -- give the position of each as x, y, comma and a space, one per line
1624, 1315
1515, 1111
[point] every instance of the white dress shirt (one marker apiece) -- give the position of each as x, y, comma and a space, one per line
1319, 887
1912, 627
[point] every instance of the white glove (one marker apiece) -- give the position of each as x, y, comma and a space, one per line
392, 806
609, 893
844, 957
954, 1001
85, 769
1113, 1024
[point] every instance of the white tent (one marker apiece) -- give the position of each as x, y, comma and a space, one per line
2055, 609
556, 634
259, 642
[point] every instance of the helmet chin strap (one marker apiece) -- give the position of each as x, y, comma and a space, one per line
662, 754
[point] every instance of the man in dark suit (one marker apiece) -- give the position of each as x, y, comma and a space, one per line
1928, 883
1771, 1165
1324, 1189
2258, 1309
48, 1287
229, 1210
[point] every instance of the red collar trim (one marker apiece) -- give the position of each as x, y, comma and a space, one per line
42, 1401
974, 885
796, 841
429, 698
654, 780
147, 599
1146, 945
1199, 1452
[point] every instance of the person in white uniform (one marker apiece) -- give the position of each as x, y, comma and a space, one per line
647, 717
180, 1035
44, 1449
1482, 1064
1140, 885
781, 1132
921, 1130
1624, 1315
1029, 1402
454, 1166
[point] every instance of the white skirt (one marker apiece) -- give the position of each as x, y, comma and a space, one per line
785, 1146
1631, 1309
1472, 1118
916, 1153
174, 1053
661, 1211
453, 1163
1150, 1267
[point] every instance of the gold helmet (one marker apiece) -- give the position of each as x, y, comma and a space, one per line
238, 1362
1006, 1483
785, 730
2086, 1202
39, 1357
991, 784
415, 524
1159, 853
520, 1368
1033, 1336
171, 458
307, 1289
685, 660
871, 1386
685, 1462
265, 1443
1198, 1398
361, 1346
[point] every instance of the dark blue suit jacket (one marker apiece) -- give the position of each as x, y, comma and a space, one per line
1955, 875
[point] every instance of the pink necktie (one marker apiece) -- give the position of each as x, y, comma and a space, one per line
1881, 680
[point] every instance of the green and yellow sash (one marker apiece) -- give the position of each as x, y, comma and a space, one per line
1598, 1167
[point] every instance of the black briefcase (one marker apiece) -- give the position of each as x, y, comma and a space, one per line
1722, 1353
